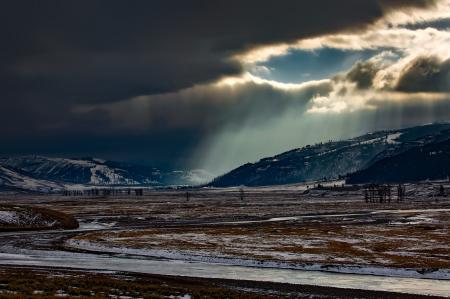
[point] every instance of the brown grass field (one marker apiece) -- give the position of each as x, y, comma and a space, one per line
44, 216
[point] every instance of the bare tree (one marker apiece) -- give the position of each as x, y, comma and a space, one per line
241, 194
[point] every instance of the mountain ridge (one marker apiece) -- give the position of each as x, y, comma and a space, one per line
350, 158
334, 159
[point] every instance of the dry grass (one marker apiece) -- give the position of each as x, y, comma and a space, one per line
213, 205
18, 283
393, 242
63, 220
351, 240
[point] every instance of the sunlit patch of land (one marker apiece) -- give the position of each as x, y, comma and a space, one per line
401, 240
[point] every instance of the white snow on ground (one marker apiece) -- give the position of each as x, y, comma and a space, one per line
95, 225
389, 139
197, 257
8, 217
392, 138
22, 218
372, 141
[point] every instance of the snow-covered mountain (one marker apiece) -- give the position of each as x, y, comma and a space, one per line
78, 171
333, 159
44, 174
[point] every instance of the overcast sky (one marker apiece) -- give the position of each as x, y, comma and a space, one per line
213, 84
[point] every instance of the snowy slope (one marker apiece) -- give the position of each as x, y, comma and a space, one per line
333, 159
11, 180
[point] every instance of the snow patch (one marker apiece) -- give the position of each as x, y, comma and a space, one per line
392, 138
9, 217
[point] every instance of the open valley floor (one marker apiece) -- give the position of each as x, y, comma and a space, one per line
289, 242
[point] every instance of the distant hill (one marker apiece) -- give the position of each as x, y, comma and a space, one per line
334, 159
46, 174
15, 181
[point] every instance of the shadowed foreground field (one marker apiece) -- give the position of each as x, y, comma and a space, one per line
18, 283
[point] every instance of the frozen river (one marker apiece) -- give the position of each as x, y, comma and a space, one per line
195, 269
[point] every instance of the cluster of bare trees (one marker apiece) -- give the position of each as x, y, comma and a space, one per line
383, 193
442, 192
104, 192
72, 193
241, 194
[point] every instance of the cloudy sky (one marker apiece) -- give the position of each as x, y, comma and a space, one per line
213, 84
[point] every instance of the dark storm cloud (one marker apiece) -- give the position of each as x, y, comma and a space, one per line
56, 55
425, 74
362, 73
440, 24
109, 50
